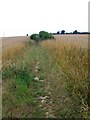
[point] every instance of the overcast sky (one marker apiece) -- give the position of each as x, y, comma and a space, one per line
19, 17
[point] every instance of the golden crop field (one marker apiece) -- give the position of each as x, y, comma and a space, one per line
12, 41
78, 40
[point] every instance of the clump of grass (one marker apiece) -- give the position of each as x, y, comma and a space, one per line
73, 60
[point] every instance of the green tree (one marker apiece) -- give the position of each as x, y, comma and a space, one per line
45, 35
75, 32
63, 31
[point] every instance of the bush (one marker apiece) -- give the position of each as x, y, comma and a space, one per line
35, 37
41, 36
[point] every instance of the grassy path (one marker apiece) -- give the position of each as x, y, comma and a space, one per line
53, 99
33, 87
42, 76
57, 102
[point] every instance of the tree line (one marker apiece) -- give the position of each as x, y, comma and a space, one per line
74, 32
43, 35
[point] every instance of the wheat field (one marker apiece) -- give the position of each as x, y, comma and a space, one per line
12, 41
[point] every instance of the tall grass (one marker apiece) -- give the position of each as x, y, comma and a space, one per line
11, 58
19, 88
10, 53
73, 60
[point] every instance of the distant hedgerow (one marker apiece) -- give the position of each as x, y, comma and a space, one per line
43, 35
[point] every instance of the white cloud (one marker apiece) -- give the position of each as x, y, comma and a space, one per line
19, 17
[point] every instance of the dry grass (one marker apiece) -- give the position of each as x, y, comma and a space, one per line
11, 52
12, 48
71, 55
